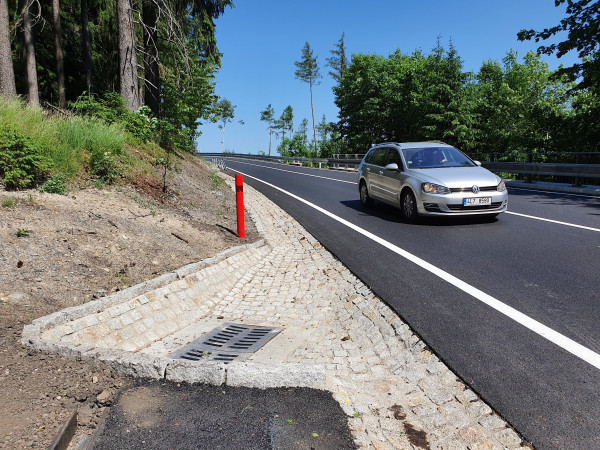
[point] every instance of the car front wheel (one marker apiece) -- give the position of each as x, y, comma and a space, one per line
365, 198
409, 206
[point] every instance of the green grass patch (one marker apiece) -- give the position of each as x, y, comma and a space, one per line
9, 202
51, 153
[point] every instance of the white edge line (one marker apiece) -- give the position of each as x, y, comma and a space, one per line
546, 332
554, 221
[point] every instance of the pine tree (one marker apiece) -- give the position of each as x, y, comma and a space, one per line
7, 74
308, 71
268, 115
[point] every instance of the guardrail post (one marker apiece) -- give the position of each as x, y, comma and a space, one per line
577, 180
239, 200
528, 178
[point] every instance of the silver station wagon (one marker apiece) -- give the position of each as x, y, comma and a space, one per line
429, 179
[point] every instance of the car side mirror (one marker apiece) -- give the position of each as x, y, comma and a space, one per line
477, 162
392, 166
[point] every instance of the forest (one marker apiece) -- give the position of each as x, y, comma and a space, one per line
76, 54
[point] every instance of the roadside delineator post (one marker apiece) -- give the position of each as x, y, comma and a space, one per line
239, 200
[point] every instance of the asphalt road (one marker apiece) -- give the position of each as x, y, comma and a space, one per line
512, 304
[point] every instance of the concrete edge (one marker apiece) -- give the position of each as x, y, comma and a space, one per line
237, 374
554, 187
264, 376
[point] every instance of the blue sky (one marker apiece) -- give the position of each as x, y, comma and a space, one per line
261, 39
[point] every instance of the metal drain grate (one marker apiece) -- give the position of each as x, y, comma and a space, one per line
229, 342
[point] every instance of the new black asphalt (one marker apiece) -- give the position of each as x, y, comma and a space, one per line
165, 415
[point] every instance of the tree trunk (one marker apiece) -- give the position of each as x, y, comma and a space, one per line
312, 109
60, 62
7, 74
151, 74
85, 42
127, 55
30, 65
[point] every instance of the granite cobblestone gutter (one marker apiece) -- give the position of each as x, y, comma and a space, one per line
337, 336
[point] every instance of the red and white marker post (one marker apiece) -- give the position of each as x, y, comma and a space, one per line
239, 200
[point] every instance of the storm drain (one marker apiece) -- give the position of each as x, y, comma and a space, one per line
229, 342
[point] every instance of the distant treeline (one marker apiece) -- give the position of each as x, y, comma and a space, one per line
508, 106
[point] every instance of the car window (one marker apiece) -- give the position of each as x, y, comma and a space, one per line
369, 157
393, 157
435, 157
379, 156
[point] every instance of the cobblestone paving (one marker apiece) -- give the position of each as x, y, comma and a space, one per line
396, 392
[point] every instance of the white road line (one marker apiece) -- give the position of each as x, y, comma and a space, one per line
297, 173
554, 221
555, 337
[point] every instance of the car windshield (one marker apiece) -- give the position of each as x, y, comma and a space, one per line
435, 157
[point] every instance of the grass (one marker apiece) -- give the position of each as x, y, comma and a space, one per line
78, 147
9, 202
217, 180
23, 232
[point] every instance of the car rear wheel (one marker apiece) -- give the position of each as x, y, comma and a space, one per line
365, 198
408, 205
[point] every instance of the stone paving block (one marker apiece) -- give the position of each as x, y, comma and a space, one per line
193, 372
270, 375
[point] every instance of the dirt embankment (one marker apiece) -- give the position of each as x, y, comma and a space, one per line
59, 251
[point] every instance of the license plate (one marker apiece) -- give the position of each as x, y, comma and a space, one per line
476, 201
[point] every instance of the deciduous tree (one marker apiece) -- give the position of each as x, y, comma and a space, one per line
582, 26
224, 112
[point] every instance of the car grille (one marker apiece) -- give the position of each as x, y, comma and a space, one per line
468, 189
494, 205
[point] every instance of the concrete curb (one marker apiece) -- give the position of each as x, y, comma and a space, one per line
554, 187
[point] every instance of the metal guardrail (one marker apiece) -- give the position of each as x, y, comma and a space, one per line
575, 172
287, 159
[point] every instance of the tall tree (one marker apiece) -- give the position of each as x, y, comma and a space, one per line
286, 120
268, 115
224, 112
338, 61
86, 45
308, 72
127, 55
30, 66
582, 25
7, 75
151, 67
60, 60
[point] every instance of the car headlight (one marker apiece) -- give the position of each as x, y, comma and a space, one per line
431, 188
501, 187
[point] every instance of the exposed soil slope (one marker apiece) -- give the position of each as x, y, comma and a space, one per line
59, 251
